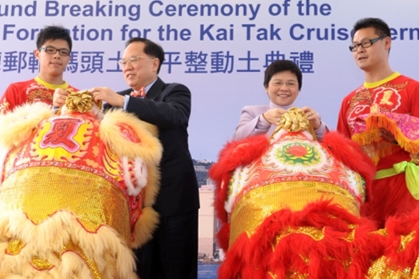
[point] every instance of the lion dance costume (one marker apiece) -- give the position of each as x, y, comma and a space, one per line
76, 191
290, 206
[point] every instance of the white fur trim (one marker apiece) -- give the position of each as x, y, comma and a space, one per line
140, 172
235, 189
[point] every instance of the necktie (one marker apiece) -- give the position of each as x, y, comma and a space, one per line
138, 93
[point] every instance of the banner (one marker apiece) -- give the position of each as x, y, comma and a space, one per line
219, 49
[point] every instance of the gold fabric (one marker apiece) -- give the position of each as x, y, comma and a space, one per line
314, 233
380, 270
295, 120
42, 191
415, 273
259, 203
71, 247
41, 264
14, 248
289, 275
405, 240
81, 101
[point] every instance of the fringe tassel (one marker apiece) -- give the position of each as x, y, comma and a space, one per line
372, 135
391, 126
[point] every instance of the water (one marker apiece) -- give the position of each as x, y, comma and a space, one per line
207, 271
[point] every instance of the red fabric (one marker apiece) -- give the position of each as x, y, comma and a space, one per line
390, 196
28, 91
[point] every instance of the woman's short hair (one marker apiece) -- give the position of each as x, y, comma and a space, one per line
281, 66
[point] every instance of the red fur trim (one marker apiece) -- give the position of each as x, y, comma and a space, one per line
223, 236
253, 257
232, 265
351, 155
397, 227
238, 153
366, 248
234, 154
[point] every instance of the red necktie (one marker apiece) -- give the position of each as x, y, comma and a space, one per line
138, 93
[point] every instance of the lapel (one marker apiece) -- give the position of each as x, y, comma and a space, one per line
155, 90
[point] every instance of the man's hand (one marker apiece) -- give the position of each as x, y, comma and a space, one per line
107, 95
60, 95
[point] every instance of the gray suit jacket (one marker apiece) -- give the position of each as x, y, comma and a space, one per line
248, 123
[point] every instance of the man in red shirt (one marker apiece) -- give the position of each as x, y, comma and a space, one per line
387, 91
53, 50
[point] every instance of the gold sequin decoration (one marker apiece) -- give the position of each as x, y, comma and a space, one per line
42, 191
415, 273
297, 275
15, 246
259, 203
312, 232
405, 240
382, 232
41, 264
381, 270
351, 236
71, 247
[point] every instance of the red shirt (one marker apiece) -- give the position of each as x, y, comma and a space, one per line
397, 93
29, 91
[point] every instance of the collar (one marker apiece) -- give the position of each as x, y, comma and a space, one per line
49, 85
149, 86
378, 83
272, 105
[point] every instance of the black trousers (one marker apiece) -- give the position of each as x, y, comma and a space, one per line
173, 251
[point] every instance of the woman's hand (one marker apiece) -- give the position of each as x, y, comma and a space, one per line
274, 115
313, 117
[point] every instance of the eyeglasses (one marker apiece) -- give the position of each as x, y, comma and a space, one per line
53, 50
365, 44
289, 84
132, 60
